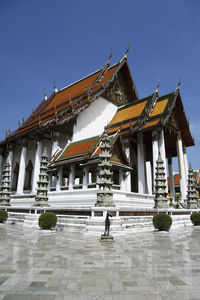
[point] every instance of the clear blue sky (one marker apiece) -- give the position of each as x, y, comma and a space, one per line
43, 41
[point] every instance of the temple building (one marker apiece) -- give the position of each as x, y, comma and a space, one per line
71, 125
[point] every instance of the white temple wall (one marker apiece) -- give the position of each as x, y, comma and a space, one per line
91, 122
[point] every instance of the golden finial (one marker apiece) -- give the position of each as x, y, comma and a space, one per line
6, 133
32, 111
22, 120
158, 85
108, 61
178, 86
19, 123
9, 132
128, 49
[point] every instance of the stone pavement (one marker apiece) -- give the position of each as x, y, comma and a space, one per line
40, 265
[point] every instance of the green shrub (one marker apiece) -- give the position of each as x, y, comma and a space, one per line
162, 221
195, 218
47, 220
3, 216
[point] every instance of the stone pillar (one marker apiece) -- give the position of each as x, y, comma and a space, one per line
185, 163
36, 170
161, 144
149, 177
155, 150
141, 164
121, 179
22, 167
127, 183
59, 179
171, 177
10, 155
183, 183
85, 177
55, 143
71, 177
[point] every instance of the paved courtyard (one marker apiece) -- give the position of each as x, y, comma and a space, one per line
62, 265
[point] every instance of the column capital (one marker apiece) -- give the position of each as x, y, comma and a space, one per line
24, 142
179, 135
10, 146
55, 135
155, 135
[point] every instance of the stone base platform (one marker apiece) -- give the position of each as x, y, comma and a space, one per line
105, 238
91, 220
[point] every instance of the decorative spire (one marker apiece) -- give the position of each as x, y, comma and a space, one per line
19, 124
191, 195
41, 198
160, 185
6, 185
22, 120
128, 49
105, 194
6, 134
9, 132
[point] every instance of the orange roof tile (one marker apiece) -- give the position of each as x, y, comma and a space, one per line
128, 113
121, 127
151, 123
159, 107
79, 148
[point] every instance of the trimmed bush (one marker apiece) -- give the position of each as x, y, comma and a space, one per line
162, 222
3, 216
195, 218
47, 220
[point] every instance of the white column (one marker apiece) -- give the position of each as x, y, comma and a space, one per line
59, 179
155, 149
171, 177
149, 177
71, 177
185, 163
127, 182
85, 177
140, 164
121, 179
183, 183
55, 143
36, 170
22, 167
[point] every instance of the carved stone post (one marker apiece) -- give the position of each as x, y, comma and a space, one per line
6, 185
191, 195
105, 194
160, 186
41, 198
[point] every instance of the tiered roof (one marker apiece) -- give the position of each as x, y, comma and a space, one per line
63, 105
88, 150
150, 112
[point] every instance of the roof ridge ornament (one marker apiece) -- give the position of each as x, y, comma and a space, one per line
127, 50
45, 94
158, 85
54, 86
178, 86
108, 61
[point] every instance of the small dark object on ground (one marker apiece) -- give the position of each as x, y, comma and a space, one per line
107, 224
195, 218
162, 222
47, 220
3, 216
